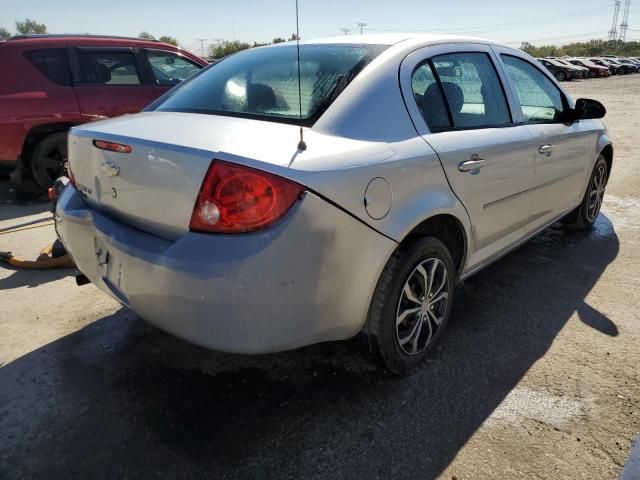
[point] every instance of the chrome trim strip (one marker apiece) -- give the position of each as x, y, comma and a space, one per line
496, 202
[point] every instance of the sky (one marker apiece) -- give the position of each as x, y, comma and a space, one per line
510, 21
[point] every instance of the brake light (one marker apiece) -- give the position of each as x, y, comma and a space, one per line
237, 199
112, 146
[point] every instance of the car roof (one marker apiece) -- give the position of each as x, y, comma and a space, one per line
72, 36
400, 37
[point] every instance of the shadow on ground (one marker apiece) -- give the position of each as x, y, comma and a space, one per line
15, 204
122, 399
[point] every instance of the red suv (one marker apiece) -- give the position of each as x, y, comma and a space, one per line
50, 83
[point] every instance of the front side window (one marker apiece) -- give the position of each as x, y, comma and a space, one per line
540, 99
52, 63
107, 68
263, 83
169, 68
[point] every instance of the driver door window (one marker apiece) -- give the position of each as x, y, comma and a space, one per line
540, 99
170, 69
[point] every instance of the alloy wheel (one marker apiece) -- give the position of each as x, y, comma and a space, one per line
422, 306
596, 192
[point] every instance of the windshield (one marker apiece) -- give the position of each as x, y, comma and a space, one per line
262, 83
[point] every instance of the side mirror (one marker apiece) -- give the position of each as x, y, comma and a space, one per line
587, 109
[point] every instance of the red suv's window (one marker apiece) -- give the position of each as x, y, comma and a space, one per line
107, 68
52, 63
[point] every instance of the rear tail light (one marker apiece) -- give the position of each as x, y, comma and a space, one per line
237, 199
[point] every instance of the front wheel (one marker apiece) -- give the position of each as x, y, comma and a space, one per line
560, 76
411, 305
49, 158
584, 216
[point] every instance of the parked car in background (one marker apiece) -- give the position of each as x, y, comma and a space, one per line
630, 62
623, 69
423, 159
50, 83
613, 68
560, 72
594, 70
583, 71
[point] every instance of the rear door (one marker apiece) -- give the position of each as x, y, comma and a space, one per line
168, 69
456, 98
109, 82
562, 148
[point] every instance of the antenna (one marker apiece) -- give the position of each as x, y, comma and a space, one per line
301, 145
361, 25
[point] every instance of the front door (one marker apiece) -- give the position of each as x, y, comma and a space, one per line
487, 158
562, 158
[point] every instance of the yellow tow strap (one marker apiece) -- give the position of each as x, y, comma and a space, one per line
43, 262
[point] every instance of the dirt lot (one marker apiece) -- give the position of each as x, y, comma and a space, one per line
537, 377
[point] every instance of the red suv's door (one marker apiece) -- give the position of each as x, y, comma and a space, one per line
108, 81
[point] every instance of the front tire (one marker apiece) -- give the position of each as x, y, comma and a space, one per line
49, 158
584, 216
560, 76
411, 305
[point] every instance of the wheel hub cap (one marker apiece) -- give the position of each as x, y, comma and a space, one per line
422, 306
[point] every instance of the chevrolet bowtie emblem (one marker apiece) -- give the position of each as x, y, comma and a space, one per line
110, 169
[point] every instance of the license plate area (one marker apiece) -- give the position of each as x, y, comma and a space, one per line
110, 270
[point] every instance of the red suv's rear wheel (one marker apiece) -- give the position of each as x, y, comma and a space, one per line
49, 159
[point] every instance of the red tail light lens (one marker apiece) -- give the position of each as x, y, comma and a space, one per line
111, 146
237, 199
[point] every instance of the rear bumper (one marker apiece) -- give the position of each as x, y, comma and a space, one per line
306, 280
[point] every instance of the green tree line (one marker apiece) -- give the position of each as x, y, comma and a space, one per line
592, 48
25, 27
225, 48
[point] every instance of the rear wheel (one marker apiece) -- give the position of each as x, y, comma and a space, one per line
584, 216
411, 305
49, 158
560, 76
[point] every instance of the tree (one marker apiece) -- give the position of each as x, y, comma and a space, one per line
146, 36
224, 49
30, 26
169, 39
4, 33
278, 40
294, 37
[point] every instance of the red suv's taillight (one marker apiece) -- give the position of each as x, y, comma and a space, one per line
236, 199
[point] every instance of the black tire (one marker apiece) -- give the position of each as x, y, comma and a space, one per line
585, 215
560, 76
48, 160
381, 334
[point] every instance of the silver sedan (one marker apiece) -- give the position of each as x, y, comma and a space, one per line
269, 203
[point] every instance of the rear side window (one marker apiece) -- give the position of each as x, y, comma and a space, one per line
540, 99
107, 68
52, 63
262, 83
472, 92
169, 68
429, 98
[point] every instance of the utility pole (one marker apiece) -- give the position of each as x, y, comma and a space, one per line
202, 40
361, 25
613, 33
345, 31
625, 21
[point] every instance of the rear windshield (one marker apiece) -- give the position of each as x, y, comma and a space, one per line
263, 83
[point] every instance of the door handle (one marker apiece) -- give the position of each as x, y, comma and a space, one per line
546, 150
474, 163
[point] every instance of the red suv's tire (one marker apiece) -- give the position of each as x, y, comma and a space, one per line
49, 159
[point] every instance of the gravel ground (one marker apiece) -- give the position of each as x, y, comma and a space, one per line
537, 377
